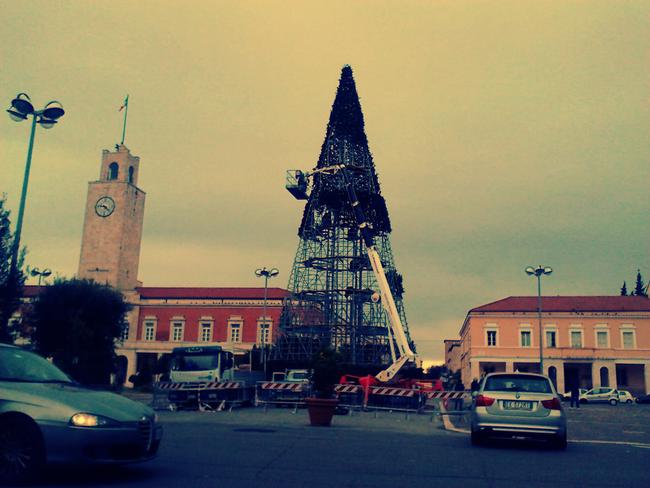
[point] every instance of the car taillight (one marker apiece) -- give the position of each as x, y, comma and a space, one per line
484, 401
553, 404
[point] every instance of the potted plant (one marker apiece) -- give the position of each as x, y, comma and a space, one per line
326, 372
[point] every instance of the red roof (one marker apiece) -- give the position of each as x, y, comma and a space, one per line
568, 304
148, 292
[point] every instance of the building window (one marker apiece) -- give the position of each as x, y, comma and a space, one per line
491, 338
525, 338
206, 332
576, 338
602, 339
235, 332
130, 174
628, 339
263, 332
177, 331
551, 338
150, 330
124, 336
113, 171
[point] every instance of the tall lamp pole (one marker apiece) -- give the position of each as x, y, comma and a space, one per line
41, 274
539, 271
266, 273
21, 109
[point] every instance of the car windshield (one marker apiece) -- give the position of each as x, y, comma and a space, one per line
195, 362
19, 365
532, 384
301, 375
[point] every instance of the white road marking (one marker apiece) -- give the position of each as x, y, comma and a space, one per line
641, 445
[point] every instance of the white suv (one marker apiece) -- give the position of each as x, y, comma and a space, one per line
600, 395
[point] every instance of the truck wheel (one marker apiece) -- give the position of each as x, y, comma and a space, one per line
22, 453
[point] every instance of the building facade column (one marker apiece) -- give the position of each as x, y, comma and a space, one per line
596, 366
510, 366
646, 374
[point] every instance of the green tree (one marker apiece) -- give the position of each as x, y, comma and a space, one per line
639, 288
11, 284
77, 323
624, 289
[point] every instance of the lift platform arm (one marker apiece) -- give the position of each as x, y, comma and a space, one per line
387, 300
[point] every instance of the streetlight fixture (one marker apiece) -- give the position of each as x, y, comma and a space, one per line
21, 108
41, 274
267, 274
539, 271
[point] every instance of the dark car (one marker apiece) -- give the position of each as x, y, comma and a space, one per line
643, 399
46, 417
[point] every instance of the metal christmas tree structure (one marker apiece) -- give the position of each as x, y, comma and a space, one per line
333, 300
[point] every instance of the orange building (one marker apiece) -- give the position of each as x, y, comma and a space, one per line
589, 340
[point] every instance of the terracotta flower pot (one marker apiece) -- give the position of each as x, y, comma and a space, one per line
321, 410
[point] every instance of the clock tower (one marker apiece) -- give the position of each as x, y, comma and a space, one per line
112, 232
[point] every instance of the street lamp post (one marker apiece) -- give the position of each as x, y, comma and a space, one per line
267, 274
539, 271
21, 109
41, 274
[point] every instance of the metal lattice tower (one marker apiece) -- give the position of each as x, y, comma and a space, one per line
331, 282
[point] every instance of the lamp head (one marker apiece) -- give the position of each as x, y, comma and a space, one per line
35, 272
15, 115
530, 270
46, 272
46, 123
22, 104
273, 272
548, 270
53, 110
260, 272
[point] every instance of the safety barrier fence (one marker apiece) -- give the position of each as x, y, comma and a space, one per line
201, 395
281, 393
219, 395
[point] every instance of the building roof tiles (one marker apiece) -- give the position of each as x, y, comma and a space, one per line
569, 304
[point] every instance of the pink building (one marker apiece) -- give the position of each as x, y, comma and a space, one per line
590, 341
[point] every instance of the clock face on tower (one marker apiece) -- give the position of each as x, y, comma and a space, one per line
104, 206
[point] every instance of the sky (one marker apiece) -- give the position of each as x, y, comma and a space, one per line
504, 133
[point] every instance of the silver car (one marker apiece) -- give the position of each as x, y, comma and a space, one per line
46, 417
518, 405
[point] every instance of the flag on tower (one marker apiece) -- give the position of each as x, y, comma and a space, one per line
125, 104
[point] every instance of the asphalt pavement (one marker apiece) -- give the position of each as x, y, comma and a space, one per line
253, 448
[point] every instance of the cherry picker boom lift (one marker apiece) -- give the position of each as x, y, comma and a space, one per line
297, 186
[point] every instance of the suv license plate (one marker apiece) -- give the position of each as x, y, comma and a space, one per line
517, 405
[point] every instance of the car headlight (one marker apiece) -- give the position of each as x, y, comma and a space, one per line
90, 420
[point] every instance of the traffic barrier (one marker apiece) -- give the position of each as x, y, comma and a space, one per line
201, 395
452, 400
281, 393
388, 398
350, 396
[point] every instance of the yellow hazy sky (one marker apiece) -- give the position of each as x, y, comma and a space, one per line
504, 133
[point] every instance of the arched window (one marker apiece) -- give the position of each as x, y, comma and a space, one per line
131, 174
552, 373
113, 171
604, 376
